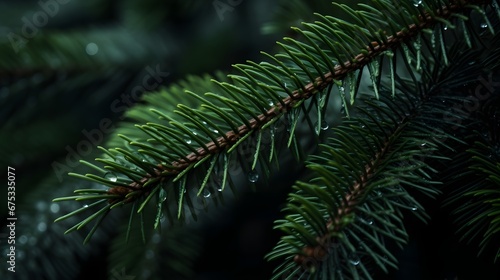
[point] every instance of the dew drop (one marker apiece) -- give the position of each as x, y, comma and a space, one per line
417, 3
363, 126
156, 238
23, 239
414, 208
150, 254
42, 226
354, 259
253, 176
111, 176
324, 125
368, 221
484, 25
91, 49
85, 206
54, 208
220, 187
270, 102
423, 144
206, 193
445, 27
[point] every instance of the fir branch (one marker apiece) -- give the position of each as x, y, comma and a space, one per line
308, 66
426, 20
345, 189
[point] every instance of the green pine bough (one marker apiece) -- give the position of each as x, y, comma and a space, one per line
390, 145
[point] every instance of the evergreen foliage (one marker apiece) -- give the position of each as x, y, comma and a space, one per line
339, 220
389, 109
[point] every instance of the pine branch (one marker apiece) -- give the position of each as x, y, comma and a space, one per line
340, 71
307, 65
285, 105
360, 197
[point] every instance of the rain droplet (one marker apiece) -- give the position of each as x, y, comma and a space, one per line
324, 125
150, 254
368, 221
111, 176
206, 193
219, 185
270, 102
484, 25
253, 176
42, 226
472, 62
417, 3
414, 208
91, 49
363, 126
354, 259
54, 208
423, 144
156, 238
85, 206
23, 239
445, 27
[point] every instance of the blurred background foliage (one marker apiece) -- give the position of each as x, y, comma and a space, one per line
61, 77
